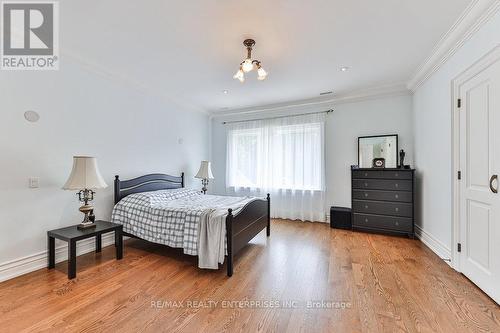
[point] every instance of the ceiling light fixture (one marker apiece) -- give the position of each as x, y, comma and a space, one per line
225, 92
344, 69
248, 64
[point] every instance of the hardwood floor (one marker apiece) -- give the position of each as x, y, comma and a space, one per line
371, 283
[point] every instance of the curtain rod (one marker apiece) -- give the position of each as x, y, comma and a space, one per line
293, 115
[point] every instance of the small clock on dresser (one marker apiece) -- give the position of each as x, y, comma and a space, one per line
379, 163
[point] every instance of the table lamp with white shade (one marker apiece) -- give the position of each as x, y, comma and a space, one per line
85, 178
205, 173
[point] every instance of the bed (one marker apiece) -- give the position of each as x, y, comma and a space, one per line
163, 197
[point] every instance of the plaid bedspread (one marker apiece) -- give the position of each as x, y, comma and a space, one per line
170, 217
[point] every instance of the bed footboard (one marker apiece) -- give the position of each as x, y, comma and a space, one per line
242, 227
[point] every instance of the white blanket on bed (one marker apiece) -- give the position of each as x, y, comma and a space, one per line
212, 233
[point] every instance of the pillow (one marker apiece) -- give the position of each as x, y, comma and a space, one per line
165, 195
154, 197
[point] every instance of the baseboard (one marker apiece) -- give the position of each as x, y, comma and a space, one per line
434, 244
21, 266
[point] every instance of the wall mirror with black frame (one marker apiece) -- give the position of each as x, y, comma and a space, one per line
378, 151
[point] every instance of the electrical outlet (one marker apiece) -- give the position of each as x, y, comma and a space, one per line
34, 182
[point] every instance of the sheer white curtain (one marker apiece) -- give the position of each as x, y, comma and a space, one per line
284, 157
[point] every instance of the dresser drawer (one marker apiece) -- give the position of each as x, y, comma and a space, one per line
398, 196
397, 174
383, 222
382, 208
382, 174
366, 174
382, 184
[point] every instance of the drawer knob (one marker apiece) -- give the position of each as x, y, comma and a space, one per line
366, 206
366, 220
397, 174
397, 196
397, 223
366, 174
397, 185
366, 195
397, 209
366, 184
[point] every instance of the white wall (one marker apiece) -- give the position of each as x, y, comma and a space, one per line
388, 115
432, 127
131, 133
348, 122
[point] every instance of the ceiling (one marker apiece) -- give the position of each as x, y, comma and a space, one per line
188, 51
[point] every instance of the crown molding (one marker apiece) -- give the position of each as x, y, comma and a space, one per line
388, 90
124, 80
471, 20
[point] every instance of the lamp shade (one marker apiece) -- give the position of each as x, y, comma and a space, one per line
205, 171
84, 175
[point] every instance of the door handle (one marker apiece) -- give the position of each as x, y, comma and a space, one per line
493, 178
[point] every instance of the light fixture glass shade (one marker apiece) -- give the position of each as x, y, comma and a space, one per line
205, 171
262, 74
239, 75
247, 65
84, 175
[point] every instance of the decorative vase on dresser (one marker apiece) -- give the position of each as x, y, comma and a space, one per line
383, 200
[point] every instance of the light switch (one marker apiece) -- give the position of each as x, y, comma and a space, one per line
34, 182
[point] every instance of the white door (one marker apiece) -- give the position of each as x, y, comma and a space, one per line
480, 165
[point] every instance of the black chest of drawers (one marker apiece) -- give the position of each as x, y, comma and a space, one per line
383, 200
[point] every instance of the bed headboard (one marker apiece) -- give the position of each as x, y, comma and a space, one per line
152, 182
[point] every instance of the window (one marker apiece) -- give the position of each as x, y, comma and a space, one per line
276, 154
245, 148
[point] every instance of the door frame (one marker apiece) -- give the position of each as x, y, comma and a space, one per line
479, 66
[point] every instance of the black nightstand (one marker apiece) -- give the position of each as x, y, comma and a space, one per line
73, 234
